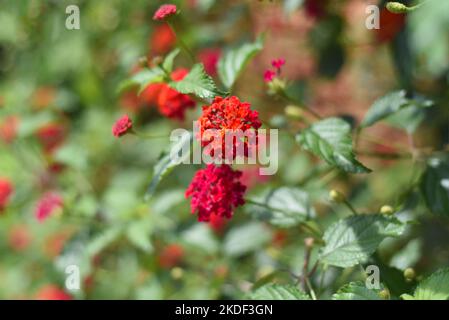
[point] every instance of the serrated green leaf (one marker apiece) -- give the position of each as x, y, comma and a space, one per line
435, 185
246, 238
352, 240
356, 291
278, 292
384, 107
197, 82
330, 139
169, 160
283, 207
232, 63
435, 287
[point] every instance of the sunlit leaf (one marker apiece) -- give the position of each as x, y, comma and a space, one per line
330, 139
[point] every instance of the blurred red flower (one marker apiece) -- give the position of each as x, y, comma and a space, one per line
215, 190
279, 238
390, 25
19, 237
162, 40
278, 63
150, 94
217, 223
251, 176
315, 8
130, 101
209, 57
171, 256
164, 11
52, 292
48, 204
122, 126
54, 244
51, 136
6, 189
43, 97
170, 102
269, 75
8, 128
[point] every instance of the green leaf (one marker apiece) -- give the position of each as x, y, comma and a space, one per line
435, 186
285, 207
246, 238
408, 256
179, 152
435, 287
167, 65
408, 118
197, 82
278, 292
103, 240
138, 233
142, 79
232, 63
352, 240
202, 237
356, 291
330, 139
384, 107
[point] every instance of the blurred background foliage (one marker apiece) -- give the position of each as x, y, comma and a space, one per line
59, 99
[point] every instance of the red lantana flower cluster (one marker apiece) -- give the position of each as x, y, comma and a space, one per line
164, 11
162, 39
122, 126
228, 115
215, 190
51, 136
8, 129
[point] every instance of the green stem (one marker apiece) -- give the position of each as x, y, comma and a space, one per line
312, 292
181, 42
290, 99
350, 207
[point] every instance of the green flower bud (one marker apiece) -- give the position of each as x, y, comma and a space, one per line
309, 242
387, 210
293, 112
409, 274
385, 294
177, 273
397, 7
143, 62
336, 196
277, 86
